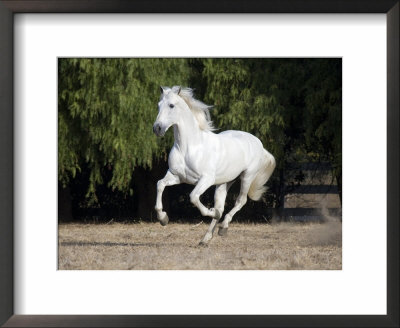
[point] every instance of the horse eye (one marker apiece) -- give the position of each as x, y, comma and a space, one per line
171, 106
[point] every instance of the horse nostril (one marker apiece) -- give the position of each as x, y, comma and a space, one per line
156, 128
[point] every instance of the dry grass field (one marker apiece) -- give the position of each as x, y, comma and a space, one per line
149, 246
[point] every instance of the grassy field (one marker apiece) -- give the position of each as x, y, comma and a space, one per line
149, 246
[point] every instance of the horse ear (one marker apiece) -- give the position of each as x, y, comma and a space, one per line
164, 89
176, 89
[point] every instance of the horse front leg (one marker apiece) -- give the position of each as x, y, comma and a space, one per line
169, 180
219, 204
204, 183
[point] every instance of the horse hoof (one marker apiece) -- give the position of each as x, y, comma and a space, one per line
222, 231
202, 244
164, 221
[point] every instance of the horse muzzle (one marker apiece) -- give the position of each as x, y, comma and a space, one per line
158, 130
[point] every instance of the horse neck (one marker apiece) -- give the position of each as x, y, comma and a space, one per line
187, 132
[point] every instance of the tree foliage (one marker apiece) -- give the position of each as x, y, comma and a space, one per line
292, 105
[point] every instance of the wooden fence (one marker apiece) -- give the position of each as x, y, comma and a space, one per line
315, 198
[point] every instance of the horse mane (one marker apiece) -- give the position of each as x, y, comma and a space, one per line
199, 109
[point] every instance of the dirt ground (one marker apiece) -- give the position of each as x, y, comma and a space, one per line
149, 246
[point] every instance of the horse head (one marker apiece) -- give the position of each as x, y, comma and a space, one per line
170, 107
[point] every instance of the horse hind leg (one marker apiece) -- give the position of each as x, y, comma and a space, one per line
246, 180
219, 204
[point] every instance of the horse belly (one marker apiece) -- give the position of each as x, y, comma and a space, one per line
228, 173
231, 164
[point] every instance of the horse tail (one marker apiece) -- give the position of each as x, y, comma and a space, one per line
257, 187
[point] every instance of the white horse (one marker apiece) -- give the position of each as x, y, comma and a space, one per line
203, 158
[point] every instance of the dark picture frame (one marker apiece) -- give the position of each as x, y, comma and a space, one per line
7, 10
